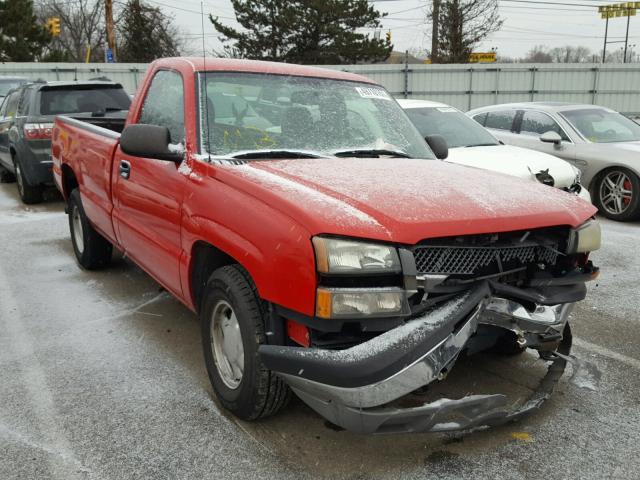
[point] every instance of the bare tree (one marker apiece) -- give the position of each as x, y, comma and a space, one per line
463, 24
538, 54
82, 27
571, 54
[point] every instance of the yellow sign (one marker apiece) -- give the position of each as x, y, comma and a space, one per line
625, 9
483, 57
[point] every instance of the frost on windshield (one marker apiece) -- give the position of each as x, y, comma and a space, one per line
249, 112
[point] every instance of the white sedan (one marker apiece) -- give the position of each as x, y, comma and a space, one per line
470, 144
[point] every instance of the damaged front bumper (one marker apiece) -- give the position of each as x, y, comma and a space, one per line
353, 388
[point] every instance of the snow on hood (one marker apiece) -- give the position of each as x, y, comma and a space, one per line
402, 200
516, 161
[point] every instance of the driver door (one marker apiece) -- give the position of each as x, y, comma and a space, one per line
148, 192
533, 124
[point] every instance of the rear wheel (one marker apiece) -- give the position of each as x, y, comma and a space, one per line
232, 319
92, 250
618, 194
29, 194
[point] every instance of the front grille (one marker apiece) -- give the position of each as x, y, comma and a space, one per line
466, 260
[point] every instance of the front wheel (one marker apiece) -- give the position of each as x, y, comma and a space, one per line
92, 250
232, 319
617, 194
29, 194
6, 176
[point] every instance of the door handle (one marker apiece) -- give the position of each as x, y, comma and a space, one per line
125, 169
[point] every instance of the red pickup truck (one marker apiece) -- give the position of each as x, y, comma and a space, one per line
325, 247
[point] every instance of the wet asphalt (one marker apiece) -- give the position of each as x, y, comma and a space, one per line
102, 377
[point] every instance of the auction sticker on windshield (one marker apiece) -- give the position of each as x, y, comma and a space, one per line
367, 92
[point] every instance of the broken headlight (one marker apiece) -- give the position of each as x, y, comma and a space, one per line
586, 238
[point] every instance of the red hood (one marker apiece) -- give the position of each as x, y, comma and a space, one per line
403, 200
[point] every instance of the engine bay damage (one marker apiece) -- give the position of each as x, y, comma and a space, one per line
465, 295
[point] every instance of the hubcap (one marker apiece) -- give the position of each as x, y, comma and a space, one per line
616, 192
78, 236
226, 344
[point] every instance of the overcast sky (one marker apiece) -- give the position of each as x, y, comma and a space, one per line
526, 24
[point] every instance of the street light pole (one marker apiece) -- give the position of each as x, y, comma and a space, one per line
604, 49
626, 38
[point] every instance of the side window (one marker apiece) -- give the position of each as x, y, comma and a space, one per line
502, 120
481, 118
164, 104
536, 123
12, 104
23, 104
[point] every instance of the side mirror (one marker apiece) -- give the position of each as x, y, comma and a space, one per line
149, 141
551, 137
438, 145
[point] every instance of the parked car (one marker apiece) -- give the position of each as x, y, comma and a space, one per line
472, 145
9, 83
26, 120
602, 143
328, 253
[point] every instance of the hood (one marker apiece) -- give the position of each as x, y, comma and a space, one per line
516, 161
402, 200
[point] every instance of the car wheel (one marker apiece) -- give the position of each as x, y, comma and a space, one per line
29, 194
232, 319
617, 193
6, 176
92, 250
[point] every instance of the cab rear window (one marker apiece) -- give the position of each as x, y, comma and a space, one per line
54, 101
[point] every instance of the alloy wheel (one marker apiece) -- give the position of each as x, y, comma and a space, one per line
616, 192
78, 234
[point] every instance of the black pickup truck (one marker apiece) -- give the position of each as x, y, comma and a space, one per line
26, 120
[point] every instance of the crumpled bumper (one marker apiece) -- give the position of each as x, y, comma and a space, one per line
353, 388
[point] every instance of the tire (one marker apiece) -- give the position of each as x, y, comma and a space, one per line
240, 381
611, 197
92, 250
29, 194
6, 176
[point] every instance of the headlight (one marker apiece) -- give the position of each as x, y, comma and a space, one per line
352, 257
586, 238
357, 303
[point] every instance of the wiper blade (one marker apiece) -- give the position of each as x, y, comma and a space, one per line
482, 145
371, 152
257, 154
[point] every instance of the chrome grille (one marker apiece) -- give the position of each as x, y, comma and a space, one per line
462, 260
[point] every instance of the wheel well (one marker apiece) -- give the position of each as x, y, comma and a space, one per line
205, 259
69, 181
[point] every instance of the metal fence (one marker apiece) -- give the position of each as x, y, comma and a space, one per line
464, 86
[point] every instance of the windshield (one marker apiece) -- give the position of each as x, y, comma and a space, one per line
7, 85
254, 112
81, 99
456, 128
601, 126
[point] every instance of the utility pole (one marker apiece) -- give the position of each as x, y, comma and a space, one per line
111, 37
434, 33
626, 38
604, 49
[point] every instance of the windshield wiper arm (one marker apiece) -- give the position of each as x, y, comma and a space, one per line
285, 154
371, 152
482, 145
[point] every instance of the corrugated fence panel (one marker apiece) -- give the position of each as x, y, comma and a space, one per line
463, 86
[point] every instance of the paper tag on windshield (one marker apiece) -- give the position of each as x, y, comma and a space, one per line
368, 92
447, 109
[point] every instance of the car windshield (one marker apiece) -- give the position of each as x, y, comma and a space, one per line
601, 126
8, 85
302, 116
456, 128
83, 99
